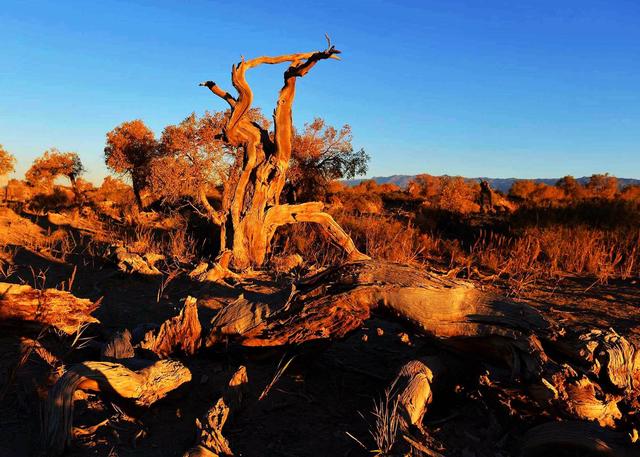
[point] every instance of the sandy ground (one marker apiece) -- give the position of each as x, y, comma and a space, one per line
327, 392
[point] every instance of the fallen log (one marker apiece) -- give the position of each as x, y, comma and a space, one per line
337, 301
471, 322
57, 308
144, 387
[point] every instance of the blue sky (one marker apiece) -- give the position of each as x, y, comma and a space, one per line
474, 88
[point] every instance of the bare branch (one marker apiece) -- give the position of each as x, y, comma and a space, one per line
219, 92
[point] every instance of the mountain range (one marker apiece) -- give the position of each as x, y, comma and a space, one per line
501, 184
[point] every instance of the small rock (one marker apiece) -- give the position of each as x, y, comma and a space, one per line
365, 338
404, 337
379, 331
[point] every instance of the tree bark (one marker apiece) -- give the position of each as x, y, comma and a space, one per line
251, 209
53, 307
180, 333
136, 185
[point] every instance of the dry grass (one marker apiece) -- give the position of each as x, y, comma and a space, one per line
387, 422
558, 250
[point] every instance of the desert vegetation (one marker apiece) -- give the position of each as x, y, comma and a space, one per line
224, 292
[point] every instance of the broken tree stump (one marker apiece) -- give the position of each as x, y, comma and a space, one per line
57, 308
180, 333
413, 387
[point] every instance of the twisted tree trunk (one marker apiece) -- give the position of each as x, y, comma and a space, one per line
251, 210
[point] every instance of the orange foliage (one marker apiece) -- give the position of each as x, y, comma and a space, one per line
602, 186
50, 165
631, 193
192, 157
321, 154
450, 193
7, 162
129, 150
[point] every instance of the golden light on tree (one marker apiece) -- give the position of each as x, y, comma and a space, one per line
320, 154
52, 164
129, 150
251, 208
7, 162
191, 158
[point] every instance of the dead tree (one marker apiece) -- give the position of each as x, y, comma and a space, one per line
144, 387
593, 376
21, 304
251, 209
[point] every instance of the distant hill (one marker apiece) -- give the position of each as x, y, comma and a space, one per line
501, 184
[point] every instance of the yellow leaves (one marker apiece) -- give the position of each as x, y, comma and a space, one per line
7, 162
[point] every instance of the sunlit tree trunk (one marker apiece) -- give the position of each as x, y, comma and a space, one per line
251, 210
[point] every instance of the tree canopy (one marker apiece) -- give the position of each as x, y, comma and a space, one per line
320, 154
52, 164
129, 150
7, 161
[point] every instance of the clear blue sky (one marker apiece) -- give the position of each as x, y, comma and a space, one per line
475, 88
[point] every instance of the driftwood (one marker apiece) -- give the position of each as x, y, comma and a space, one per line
144, 387
180, 333
211, 442
217, 272
76, 222
590, 377
53, 307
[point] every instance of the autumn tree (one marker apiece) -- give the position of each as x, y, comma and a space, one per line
321, 154
130, 148
602, 186
522, 189
631, 192
424, 186
113, 190
7, 162
251, 209
571, 187
7, 165
52, 164
545, 194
